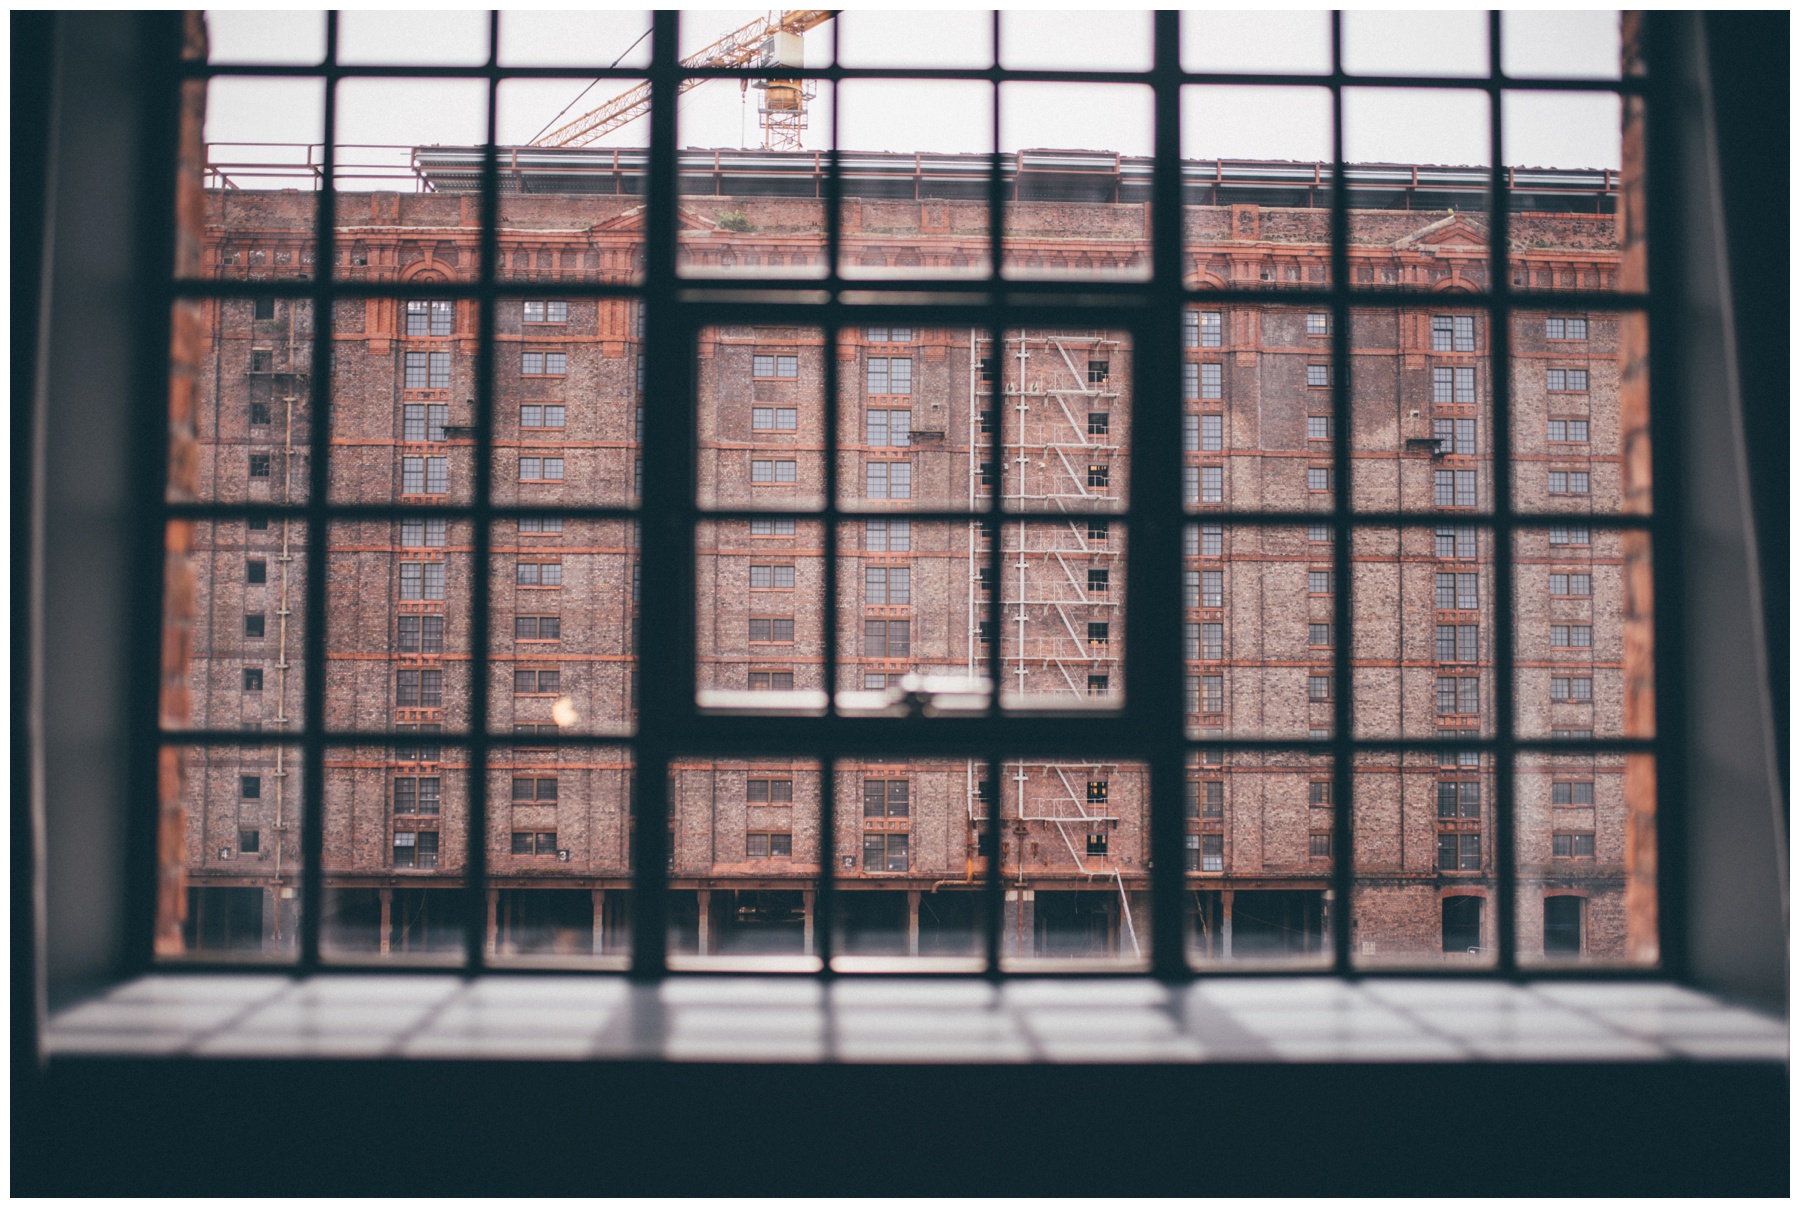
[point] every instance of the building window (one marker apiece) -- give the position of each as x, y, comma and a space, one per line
425, 421
760, 846
887, 639
1318, 688
534, 843
537, 682
1562, 925
1211, 328
415, 849
1099, 633
1571, 584
1099, 423
1568, 431
885, 853
1190, 380
1098, 372
1459, 852
1455, 542
418, 689
1558, 328
1453, 488
1574, 381
253, 625
540, 469
1459, 799
530, 789
886, 536
1318, 846
1212, 853
888, 335
771, 471
532, 415
1318, 582
259, 465
887, 585
774, 419
1318, 376
772, 527
424, 475
1572, 792
1567, 534
1212, 484
887, 479
771, 681
428, 371
421, 580
1318, 323
772, 630
890, 375
773, 791
253, 679
1099, 580
1461, 920
416, 634
535, 629
542, 364
538, 574
1568, 482
1190, 329
1458, 590
1318, 427
1457, 643
1458, 694
771, 578
416, 794
1318, 532
887, 798
1212, 381
1454, 436
1212, 540
546, 312
431, 317
1575, 846
1318, 792
1318, 478
1452, 333
1566, 688
1098, 475
1096, 843
1318, 634
1453, 385
1572, 635
429, 534
1212, 640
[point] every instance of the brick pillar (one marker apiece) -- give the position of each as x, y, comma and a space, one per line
599, 921
705, 898
387, 919
493, 928
912, 922
806, 934
1639, 602
1225, 897
187, 353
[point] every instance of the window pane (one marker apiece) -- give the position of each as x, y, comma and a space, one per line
1060, 581
741, 464
778, 580
1113, 120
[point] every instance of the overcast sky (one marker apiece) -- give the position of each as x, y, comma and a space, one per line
1442, 127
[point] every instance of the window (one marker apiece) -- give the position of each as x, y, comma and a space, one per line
424, 421
762, 470
1571, 688
1572, 635
1190, 329
1571, 431
887, 536
888, 335
1565, 534
1562, 925
1455, 384
1566, 380
1453, 488
886, 798
1318, 427
887, 479
1558, 328
259, 413
1211, 803
415, 849
1099, 633
1459, 852
262, 306
424, 475
885, 853
1097, 792
416, 634
259, 465
1190, 380
547, 416
1454, 436
1212, 432
776, 791
1457, 643
1212, 694
1461, 919
421, 580
1212, 484
772, 527
543, 364
1459, 694
253, 679
1318, 323
1318, 634
887, 639
775, 366
773, 578
1318, 375
1571, 584
1318, 688
428, 370
1568, 482
538, 574
1212, 640
1318, 532
779, 630
1572, 792
1212, 853
1098, 475
1452, 333
431, 318
534, 788
253, 625
1099, 423
759, 845
1318, 582
537, 682
887, 585
1455, 542
546, 312
1459, 799
1212, 540
1097, 372
1099, 580
540, 469
1318, 792
775, 419
1212, 381
418, 689
416, 794
890, 375
534, 843
537, 627
424, 533
771, 681
249, 842
256, 571
1574, 846
1318, 478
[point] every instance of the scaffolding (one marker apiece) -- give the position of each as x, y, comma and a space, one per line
1058, 458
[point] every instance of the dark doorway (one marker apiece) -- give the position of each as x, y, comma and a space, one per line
760, 922
872, 924
947, 925
224, 920
1074, 923
1462, 924
556, 922
1562, 926
1277, 922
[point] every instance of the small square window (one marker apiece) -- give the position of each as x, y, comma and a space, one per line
1318, 375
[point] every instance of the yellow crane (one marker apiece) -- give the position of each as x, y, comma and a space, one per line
769, 41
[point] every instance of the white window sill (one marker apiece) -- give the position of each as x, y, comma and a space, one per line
732, 1019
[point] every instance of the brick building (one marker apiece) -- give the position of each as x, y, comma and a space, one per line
920, 410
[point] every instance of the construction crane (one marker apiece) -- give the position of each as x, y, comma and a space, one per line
774, 40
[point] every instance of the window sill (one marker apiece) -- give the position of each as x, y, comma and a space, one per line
1287, 1020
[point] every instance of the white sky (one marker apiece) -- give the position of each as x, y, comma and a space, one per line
1448, 127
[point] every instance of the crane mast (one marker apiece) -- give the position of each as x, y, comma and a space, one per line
774, 40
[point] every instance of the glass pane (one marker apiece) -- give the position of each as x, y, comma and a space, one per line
238, 591
908, 605
1112, 191
1258, 857
908, 885
549, 39
760, 417
1564, 154
564, 645
264, 146
1579, 389
559, 851
1575, 44
1231, 138
233, 814
1064, 411
1250, 41
403, 387
1425, 892
448, 37
915, 178
242, 426
397, 622
1074, 854
1415, 43
396, 826
382, 124
759, 614
1583, 633
1072, 40
744, 862
1411, 226
900, 39
1586, 859
1062, 613
237, 36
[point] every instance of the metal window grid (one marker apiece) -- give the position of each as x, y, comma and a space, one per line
1150, 725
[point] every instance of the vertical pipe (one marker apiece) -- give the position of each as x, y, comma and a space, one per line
1343, 688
